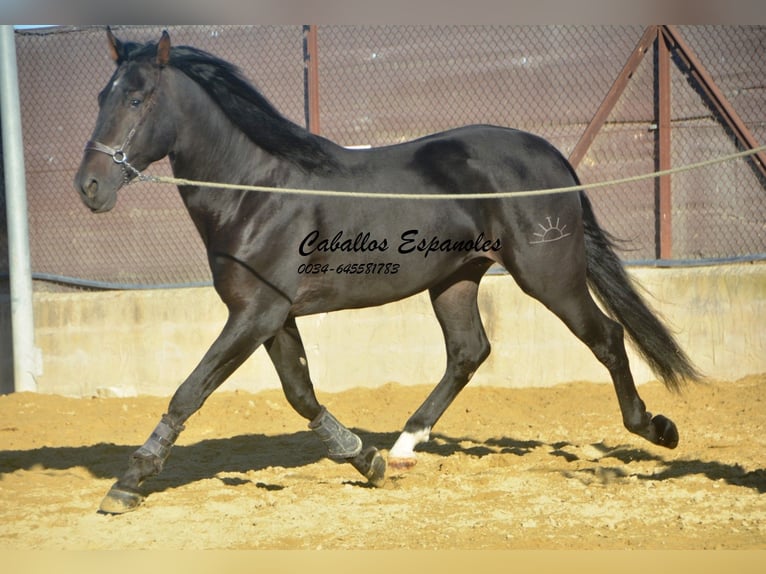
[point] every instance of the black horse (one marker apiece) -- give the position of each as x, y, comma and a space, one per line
275, 257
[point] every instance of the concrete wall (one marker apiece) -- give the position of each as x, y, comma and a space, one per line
146, 342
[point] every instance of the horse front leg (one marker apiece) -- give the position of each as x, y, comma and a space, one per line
243, 332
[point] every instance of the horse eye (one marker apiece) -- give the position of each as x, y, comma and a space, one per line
135, 102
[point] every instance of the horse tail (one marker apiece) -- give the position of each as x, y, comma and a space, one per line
610, 283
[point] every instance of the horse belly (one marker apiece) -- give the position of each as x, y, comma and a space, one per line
354, 284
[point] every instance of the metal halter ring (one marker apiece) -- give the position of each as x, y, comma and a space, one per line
119, 157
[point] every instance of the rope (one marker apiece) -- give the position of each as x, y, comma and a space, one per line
490, 195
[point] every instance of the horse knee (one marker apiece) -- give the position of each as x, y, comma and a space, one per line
465, 362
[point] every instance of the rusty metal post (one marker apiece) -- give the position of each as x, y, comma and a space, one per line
664, 160
618, 87
715, 95
311, 77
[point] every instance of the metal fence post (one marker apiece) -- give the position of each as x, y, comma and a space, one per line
615, 92
715, 95
664, 211
22, 317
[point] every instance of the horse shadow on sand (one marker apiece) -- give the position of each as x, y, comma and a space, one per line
212, 458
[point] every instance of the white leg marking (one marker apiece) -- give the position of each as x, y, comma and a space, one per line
406, 443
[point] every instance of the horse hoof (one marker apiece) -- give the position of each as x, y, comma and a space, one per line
120, 500
402, 464
372, 465
667, 433
377, 473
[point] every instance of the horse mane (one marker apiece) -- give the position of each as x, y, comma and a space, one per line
244, 105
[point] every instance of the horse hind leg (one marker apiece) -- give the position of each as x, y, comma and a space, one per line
568, 297
456, 308
605, 338
289, 358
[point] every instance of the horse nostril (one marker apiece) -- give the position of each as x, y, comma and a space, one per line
91, 189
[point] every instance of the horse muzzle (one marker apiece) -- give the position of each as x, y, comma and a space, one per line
99, 194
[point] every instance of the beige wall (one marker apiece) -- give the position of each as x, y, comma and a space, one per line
127, 343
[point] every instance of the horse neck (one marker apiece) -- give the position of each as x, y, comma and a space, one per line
209, 147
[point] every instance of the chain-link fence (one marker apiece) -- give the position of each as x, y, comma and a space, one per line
387, 84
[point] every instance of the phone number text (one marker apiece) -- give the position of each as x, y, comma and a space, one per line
349, 268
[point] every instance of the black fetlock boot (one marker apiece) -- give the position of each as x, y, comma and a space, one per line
345, 446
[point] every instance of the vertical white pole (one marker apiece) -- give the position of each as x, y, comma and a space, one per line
22, 318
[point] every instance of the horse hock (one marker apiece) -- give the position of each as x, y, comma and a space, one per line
147, 461
345, 446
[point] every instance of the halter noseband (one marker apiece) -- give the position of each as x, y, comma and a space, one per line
119, 156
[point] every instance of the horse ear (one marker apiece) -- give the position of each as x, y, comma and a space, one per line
163, 49
115, 46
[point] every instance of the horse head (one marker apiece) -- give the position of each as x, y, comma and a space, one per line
133, 128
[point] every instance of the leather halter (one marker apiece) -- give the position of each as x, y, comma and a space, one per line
119, 155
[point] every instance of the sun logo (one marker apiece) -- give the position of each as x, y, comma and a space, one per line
550, 232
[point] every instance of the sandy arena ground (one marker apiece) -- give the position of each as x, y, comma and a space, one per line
506, 469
